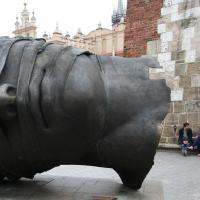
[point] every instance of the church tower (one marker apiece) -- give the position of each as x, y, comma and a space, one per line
27, 27
118, 15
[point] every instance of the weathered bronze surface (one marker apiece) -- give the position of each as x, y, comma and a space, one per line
62, 105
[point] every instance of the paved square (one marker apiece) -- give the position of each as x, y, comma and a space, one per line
173, 177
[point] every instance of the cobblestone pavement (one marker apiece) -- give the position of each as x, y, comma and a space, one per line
173, 177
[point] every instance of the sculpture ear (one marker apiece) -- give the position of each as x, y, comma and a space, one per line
7, 101
150, 61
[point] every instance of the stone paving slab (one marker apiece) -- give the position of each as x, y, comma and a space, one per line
47, 187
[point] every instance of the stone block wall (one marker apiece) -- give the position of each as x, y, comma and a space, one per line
178, 51
176, 44
141, 25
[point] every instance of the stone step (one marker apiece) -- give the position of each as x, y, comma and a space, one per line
168, 146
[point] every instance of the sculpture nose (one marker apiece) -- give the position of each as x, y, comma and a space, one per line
7, 101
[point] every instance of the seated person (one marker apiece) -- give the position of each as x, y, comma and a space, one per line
185, 146
185, 133
196, 144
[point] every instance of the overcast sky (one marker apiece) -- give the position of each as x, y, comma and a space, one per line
70, 14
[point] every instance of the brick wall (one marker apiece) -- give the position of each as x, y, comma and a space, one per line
177, 48
141, 25
178, 52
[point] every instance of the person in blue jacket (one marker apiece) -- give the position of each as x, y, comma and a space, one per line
196, 144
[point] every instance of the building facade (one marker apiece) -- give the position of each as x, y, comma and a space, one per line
170, 31
101, 41
26, 27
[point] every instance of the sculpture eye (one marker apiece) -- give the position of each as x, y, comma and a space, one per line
11, 91
7, 101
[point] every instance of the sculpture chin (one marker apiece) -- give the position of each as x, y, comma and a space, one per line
64, 105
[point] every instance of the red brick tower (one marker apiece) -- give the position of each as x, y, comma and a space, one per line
141, 25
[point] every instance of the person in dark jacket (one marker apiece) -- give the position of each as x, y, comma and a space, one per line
196, 144
185, 133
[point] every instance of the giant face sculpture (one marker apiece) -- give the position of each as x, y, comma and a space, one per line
61, 105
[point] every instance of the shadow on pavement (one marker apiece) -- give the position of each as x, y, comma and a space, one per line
44, 187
